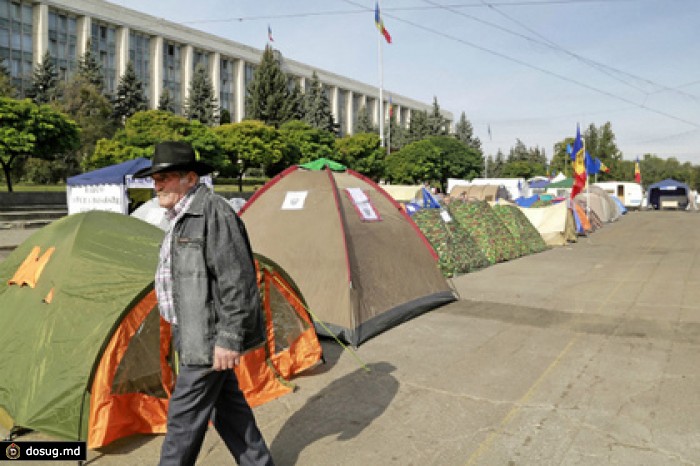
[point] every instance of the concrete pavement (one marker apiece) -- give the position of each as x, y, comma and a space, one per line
586, 354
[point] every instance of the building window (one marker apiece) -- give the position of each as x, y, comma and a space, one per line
140, 57
227, 86
172, 74
63, 40
16, 45
104, 47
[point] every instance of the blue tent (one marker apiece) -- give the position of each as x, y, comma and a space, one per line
527, 201
113, 174
668, 189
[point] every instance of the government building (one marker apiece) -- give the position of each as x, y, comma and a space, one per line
164, 56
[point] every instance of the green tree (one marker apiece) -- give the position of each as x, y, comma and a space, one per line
464, 131
269, 98
363, 153
92, 111
200, 103
437, 124
364, 122
418, 127
224, 116
522, 169
44, 87
295, 102
317, 109
250, 144
494, 165
6, 87
304, 143
31, 130
396, 138
434, 159
129, 97
166, 102
143, 130
90, 69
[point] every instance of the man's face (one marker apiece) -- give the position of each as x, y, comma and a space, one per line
171, 187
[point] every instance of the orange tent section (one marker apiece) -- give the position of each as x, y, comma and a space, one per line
292, 345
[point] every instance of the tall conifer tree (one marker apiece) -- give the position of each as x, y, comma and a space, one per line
129, 98
317, 109
201, 104
269, 96
44, 88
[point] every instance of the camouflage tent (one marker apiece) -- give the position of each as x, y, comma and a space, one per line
526, 236
457, 251
487, 229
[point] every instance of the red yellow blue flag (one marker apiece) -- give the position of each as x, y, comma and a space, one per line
579, 164
380, 24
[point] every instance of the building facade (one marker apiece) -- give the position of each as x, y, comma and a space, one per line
164, 56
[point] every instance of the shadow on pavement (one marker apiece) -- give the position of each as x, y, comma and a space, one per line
344, 409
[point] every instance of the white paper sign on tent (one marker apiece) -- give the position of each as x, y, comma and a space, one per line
363, 205
294, 200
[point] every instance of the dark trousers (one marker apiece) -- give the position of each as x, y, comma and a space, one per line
199, 393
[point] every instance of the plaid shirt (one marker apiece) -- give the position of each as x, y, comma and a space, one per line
164, 277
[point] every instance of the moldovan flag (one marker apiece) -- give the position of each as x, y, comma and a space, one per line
380, 24
578, 157
637, 172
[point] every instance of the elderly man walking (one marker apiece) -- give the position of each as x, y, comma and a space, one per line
207, 289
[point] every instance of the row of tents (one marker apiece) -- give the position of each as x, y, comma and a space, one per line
88, 357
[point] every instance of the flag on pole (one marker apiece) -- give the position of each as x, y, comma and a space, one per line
578, 157
637, 172
592, 164
380, 24
604, 168
269, 33
391, 108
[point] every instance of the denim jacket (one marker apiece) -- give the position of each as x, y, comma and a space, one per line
215, 292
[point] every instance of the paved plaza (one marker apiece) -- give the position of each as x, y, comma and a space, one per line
586, 354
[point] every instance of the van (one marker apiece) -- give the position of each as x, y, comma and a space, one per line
630, 194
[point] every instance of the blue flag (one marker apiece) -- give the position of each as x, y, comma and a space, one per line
429, 201
592, 164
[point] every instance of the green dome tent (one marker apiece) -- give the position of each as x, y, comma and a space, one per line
86, 354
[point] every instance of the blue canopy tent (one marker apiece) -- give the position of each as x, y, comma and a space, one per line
668, 190
114, 174
106, 188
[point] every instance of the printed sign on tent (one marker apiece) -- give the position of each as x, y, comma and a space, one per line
294, 200
363, 205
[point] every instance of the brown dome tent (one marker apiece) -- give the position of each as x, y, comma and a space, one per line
361, 263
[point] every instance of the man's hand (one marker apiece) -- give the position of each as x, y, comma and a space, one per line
225, 358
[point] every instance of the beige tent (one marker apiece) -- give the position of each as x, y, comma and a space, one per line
599, 202
404, 192
486, 192
555, 223
359, 260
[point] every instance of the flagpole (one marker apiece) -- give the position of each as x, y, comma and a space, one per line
381, 89
388, 129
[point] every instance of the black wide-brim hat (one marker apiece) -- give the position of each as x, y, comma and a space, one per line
174, 156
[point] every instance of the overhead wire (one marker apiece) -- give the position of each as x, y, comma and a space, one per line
534, 67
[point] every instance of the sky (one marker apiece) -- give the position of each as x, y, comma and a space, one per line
527, 69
